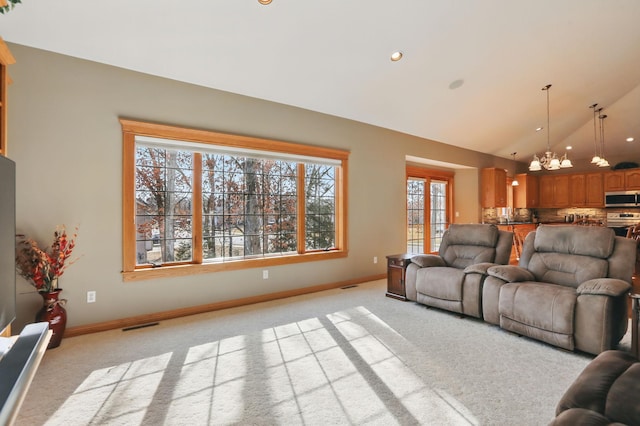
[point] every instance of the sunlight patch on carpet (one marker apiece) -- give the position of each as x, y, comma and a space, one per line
345, 368
117, 395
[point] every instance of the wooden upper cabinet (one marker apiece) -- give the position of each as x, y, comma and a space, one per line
622, 180
632, 179
614, 181
561, 191
554, 191
526, 194
546, 191
6, 58
494, 187
594, 193
578, 190
586, 190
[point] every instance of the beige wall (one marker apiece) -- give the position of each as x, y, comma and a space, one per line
65, 138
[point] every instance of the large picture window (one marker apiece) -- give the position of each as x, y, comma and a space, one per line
198, 201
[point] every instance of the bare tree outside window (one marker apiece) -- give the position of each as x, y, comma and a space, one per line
163, 205
249, 206
320, 181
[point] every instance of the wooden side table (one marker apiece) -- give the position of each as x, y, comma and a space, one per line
396, 272
635, 324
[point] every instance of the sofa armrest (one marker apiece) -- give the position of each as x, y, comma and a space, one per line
428, 260
479, 268
604, 287
511, 273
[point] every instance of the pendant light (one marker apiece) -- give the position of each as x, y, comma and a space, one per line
596, 158
514, 182
550, 159
603, 161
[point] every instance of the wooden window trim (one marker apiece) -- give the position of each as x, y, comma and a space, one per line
6, 58
132, 128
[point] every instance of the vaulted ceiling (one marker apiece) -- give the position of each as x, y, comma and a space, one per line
471, 73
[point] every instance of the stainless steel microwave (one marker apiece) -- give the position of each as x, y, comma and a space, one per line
622, 199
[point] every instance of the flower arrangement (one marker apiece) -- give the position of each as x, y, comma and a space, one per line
42, 268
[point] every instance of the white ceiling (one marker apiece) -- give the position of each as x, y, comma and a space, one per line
333, 56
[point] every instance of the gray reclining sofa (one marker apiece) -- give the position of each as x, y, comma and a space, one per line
449, 280
569, 289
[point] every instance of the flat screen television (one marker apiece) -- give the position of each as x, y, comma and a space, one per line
7, 242
20, 355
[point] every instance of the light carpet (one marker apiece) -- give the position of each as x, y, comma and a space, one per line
338, 357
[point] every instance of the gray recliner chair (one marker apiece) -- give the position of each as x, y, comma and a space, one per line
453, 278
569, 290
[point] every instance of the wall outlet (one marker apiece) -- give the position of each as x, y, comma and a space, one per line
375, 259
265, 274
91, 296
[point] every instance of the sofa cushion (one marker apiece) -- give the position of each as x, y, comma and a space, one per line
566, 269
473, 235
440, 282
540, 310
462, 256
591, 241
466, 244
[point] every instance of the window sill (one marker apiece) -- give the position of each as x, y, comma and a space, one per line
231, 265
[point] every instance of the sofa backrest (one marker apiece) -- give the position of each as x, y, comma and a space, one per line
570, 255
467, 244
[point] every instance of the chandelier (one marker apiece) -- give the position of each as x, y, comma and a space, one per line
549, 160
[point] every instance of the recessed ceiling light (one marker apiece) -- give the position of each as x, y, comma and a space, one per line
539, 128
264, 1
569, 147
630, 139
396, 56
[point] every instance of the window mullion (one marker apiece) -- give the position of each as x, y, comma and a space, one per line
301, 196
196, 210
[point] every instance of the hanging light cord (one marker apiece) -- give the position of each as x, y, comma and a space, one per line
595, 138
602, 117
546, 88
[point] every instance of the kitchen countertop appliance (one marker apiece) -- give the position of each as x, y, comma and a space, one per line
620, 221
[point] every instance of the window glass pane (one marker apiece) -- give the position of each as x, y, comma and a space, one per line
415, 215
163, 185
438, 213
249, 206
320, 202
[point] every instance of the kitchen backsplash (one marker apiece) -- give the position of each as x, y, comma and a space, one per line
501, 215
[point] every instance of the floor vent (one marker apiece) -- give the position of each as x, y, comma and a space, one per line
135, 327
349, 286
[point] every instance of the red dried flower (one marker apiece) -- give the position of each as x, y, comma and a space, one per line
41, 268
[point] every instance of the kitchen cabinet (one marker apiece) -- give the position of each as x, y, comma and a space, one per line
594, 193
526, 194
632, 179
622, 180
586, 190
554, 191
578, 190
614, 181
494, 187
